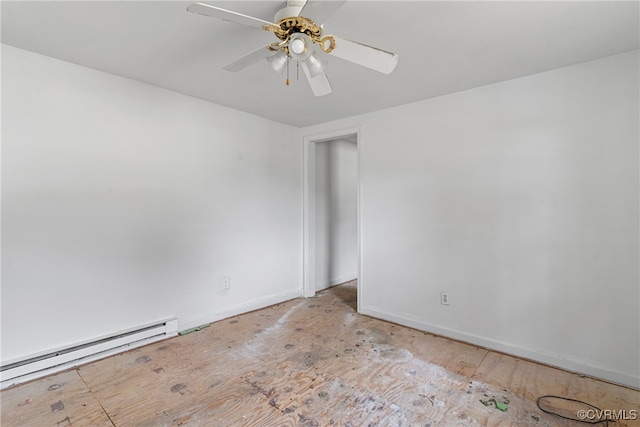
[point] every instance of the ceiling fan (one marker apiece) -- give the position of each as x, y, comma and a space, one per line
301, 39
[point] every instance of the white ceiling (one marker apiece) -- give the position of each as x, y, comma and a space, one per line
444, 47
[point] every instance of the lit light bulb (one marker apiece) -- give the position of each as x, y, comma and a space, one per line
297, 46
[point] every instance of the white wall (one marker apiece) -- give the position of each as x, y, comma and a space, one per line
336, 212
520, 199
123, 203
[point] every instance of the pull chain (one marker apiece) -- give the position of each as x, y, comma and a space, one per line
288, 82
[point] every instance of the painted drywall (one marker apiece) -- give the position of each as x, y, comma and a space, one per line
123, 203
521, 200
336, 212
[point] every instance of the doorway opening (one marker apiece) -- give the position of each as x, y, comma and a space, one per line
331, 211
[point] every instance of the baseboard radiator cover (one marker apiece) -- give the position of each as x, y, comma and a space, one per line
40, 365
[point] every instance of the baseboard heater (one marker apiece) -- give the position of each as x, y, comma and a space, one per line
15, 372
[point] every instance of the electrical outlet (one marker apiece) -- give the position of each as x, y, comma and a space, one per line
226, 282
444, 298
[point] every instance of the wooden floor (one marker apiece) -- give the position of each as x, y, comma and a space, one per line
310, 362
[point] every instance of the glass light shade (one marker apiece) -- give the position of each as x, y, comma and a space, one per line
278, 62
315, 65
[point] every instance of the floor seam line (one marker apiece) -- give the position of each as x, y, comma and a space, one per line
475, 371
96, 398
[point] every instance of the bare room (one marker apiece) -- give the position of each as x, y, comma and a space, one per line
320, 213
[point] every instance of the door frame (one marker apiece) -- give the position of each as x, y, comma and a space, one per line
309, 206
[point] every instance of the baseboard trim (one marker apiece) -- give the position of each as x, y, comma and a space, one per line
576, 366
338, 281
246, 307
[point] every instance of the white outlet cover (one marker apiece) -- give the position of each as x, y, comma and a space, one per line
444, 298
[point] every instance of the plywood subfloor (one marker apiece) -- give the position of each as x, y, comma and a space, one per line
309, 362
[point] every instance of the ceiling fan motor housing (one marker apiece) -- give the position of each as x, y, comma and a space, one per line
292, 8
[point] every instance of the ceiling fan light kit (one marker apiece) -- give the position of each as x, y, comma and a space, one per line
301, 49
302, 40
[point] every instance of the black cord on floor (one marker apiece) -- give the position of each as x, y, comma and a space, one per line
584, 419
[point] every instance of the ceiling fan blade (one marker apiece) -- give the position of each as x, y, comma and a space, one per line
227, 15
320, 10
319, 84
249, 59
367, 56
